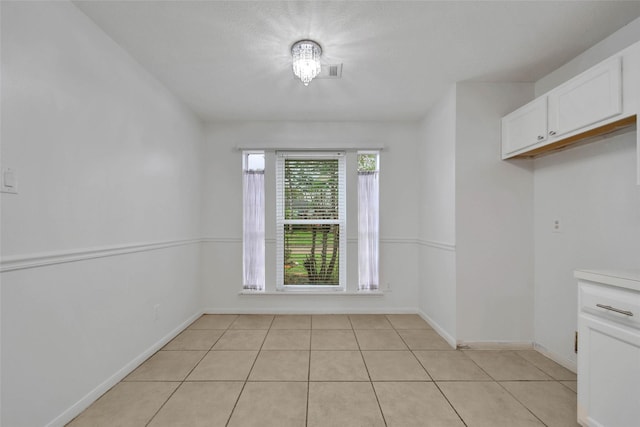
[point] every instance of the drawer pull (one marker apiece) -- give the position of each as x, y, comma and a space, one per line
617, 310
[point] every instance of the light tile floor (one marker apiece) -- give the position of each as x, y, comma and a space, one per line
333, 370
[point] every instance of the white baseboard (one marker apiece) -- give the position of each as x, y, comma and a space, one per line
307, 311
567, 363
495, 345
439, 329
514, 345
101, 389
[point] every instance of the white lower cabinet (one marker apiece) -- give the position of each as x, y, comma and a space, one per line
608, 349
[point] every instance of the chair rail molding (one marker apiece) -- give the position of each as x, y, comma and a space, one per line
351, 240
43, 259
437, 245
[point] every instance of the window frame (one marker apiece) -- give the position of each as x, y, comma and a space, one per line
373, 245
281, 222
261, 280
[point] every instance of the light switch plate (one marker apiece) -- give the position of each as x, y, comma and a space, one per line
9, 181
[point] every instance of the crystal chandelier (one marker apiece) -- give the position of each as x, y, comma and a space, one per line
306, 60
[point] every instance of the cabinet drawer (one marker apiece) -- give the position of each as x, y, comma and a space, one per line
614, 304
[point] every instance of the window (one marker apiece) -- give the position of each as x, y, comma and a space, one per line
310, 220
368, 220
253, 220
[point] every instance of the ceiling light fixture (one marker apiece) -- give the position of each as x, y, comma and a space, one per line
306, 60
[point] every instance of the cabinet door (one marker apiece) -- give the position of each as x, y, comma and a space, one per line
593, 96
524, 127
608, 373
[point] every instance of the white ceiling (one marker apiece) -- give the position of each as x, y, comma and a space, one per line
230, 60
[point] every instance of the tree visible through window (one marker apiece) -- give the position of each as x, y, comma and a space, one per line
311, 219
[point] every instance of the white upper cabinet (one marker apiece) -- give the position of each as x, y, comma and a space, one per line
525, 127
602, 100
587, 99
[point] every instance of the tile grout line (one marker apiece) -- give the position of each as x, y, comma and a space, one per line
505, 351
407, 345
561, 382
413, 354
163, 404
535, 366
523, 405
480, 367
505, 389
450, 404
431, 377
246, 380
538, 367
306, 415
185, 377
384, 420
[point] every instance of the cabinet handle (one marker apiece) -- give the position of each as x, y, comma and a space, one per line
552, 132
540, 137
617, 310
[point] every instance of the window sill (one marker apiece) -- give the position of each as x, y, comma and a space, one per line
339, 293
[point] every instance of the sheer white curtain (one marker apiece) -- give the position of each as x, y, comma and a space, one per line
253, 230
368, 230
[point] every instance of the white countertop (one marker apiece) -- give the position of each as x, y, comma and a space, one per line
628, 279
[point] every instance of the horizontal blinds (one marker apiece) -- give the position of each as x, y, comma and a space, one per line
311, 218
311, 189
311, 254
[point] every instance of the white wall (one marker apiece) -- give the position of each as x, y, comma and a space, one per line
222, 221
476, 277
494, 220
436, 154
592, 190
105, 158
624, 37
